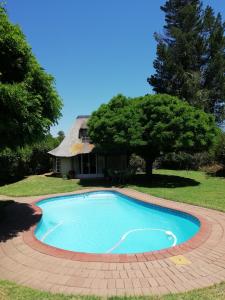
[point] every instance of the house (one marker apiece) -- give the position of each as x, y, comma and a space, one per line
76, 154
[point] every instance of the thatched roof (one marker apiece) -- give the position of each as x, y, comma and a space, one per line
71, 144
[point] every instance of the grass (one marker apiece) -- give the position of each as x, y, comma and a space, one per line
192, 187
39, 185
12, 291
199, 189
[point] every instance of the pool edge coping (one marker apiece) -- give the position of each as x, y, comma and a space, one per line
193, 243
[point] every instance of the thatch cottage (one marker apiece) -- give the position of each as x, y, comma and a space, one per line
76, 155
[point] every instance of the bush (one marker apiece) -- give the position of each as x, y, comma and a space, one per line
136, 163
220, 149
185, 161
15, 164
40, 161
71, 174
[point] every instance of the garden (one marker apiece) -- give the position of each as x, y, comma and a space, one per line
174, 141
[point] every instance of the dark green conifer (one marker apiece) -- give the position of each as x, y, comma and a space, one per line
190, 59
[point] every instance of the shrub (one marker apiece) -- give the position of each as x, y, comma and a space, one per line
185, 161
220, 149
136, 163
40, 161
15, 164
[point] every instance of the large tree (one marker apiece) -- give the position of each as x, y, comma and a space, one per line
151, 126
190, 60
29, 103
116, 125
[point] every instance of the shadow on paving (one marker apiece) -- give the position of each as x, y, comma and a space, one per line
141, 180
15, 217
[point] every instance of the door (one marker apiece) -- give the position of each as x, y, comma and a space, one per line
88, 163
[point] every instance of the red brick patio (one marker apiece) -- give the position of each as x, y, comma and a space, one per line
25, 260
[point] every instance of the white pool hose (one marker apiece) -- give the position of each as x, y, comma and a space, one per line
167, 232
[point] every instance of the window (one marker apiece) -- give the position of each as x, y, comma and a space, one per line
87, 163
83, 135
58, 165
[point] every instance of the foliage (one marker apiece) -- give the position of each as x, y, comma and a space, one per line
220, 149
32, 159
61, 135
136, 163
151, 125
190, 59
14, 163
185, 161
211, 161
171, 124
28, 98
116, 125
40, 161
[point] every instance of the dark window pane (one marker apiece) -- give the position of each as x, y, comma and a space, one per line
92, 163
85, 164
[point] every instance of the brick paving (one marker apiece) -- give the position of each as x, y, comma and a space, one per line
28, 262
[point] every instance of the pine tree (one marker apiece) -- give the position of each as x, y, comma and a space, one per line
190, 56
214, 65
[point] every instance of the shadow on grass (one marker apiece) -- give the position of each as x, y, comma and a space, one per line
15, 217
141, 180
11, 180
219, 173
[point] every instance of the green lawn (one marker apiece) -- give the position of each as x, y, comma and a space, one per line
192, 187
39, 185
185, 186
12, 291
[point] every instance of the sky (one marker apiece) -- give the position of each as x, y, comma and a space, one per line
95, 49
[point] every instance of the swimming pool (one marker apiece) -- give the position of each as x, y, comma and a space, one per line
110, 222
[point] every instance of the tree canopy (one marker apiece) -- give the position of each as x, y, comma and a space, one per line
29, 101
60, 135
115, 124
151, 125
190, 60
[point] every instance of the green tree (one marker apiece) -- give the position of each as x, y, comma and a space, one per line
60, 135
116, 125
28, 98
190, 58
30, 159
151, 126
219, 150
213, 67
172, 125
40, 161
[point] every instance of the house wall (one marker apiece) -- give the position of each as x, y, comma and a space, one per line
66, 165
113, 162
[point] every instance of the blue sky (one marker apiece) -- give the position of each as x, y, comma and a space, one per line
95, 49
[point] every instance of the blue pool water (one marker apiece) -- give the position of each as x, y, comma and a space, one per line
109, 222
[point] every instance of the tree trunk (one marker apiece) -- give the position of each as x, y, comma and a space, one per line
149, 164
